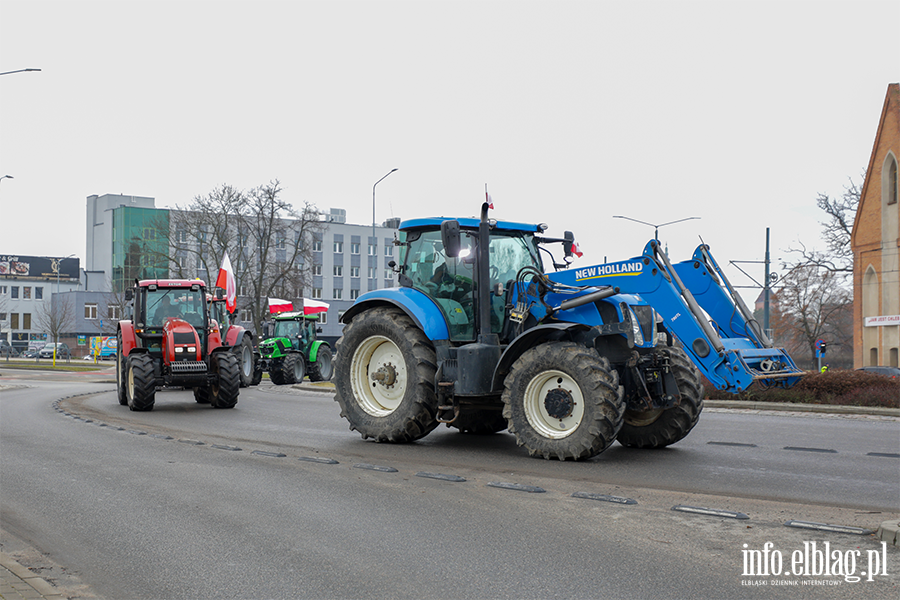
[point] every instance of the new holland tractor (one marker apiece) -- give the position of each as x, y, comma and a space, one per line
479, 337
292, 351
170, 341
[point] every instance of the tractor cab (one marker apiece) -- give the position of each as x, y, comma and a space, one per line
439, 258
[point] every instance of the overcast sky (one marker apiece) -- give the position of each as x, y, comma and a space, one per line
571, 112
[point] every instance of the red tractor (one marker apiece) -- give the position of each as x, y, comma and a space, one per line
171, 341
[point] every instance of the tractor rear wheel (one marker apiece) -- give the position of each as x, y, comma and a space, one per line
321, 369
659, 428
121, 391
563, 400
244, 354
384, 381
140, 383
201, 395
226, 386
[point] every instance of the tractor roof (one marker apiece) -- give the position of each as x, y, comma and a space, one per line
171, 283
468, 223
295, 315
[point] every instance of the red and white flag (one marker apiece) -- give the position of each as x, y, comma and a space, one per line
277, 305
225, 280
576, 250
312, 307
488, 199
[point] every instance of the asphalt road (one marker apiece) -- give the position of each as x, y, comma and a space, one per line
191, 502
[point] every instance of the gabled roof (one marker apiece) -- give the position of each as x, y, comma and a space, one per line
891, 98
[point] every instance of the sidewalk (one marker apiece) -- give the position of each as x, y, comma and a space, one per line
17, 582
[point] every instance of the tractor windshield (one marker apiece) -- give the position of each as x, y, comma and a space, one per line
287, 328
182, 303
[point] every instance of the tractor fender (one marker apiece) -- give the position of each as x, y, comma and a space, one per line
529, 339
417, 306
235, 336
314, 349
129, 339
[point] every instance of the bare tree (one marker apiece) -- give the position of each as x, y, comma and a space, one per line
812, 305
267, 240
56, 317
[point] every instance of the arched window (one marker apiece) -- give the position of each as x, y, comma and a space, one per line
892, 181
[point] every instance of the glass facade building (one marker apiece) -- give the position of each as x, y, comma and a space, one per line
139, 245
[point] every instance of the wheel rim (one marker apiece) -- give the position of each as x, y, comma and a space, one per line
554, 404
246, 362
298, 370
643, 418
378, 376
130, 385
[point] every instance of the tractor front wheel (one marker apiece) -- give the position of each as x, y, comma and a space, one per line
563, 400
140, 384
660, 428
226, 386
384, 381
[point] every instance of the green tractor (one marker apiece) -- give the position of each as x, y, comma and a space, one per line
290, 350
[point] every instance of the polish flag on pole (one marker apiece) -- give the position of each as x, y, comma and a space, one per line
277, 305
487, 198
576, 250
225, 280
312, 307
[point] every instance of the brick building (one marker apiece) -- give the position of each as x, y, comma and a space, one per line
876, 247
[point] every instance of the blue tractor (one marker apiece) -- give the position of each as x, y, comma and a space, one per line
479, 337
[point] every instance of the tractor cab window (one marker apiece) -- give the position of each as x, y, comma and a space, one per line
288, 329
509, 253
448, 281
184, 304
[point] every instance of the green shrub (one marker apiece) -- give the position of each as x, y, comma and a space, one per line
849, 388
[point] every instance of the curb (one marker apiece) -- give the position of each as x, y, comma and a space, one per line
794, 407
17, 581
889, 532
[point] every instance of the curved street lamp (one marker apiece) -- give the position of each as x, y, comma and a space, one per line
56, 337
655, 227
18, 71
374, 239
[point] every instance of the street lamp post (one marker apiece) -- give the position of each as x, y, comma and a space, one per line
18, 71
375, 239
56, 333
6, 177
655, 227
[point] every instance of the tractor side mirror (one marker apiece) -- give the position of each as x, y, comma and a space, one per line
129, 295
220, 293
567, 245
450, 238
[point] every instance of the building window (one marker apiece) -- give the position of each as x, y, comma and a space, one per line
317, 245
389, 250
26, 293
371, 272
14, 291
388, 274
317, 270
339, 247
892, 182
114, 312
323, 318
317, 293
354, 271
354, 248
246, 315
337, 294
26, 320
338, 271
38, 293
14, 321
3, 290
90, 311
371, 249
354, 294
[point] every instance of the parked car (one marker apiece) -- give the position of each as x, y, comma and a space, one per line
32, 353
7, 350
892, 372
62, 351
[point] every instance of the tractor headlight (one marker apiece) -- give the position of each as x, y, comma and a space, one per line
636, 328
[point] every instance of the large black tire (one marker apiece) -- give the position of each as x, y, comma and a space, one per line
226, 386
201, 395
121, 392
257, 373
399, 403
660, 428
563, 400
288, 370
140, 383
480, 422
321, 369
246, 363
